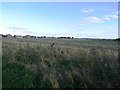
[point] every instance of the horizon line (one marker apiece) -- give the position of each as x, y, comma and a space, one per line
58, 36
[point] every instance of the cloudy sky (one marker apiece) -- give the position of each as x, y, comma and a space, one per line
78, 19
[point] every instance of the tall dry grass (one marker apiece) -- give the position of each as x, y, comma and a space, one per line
63, 66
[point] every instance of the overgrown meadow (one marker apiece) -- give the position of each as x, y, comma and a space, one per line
60, 63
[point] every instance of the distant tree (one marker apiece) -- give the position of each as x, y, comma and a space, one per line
4, 36
117, 39
44, 37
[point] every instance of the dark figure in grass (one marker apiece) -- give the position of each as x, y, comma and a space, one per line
52, 45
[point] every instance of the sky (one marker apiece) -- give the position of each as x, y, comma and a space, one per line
56, 19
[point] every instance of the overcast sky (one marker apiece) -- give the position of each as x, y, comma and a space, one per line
79, 19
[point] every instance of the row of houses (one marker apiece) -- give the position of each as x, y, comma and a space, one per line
17, 36
29, 36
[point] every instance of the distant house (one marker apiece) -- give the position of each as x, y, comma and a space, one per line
18, 36
27, 36
9, 36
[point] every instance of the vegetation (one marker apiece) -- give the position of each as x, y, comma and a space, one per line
68, 63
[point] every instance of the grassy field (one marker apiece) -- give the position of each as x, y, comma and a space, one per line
69, 63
